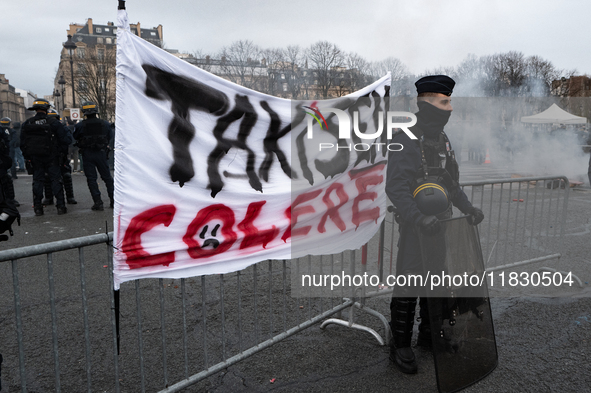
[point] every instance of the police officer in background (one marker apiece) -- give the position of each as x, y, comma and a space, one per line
428, 160
93, 136
8, 210
65, 170
5, 122
5, 178
42, 140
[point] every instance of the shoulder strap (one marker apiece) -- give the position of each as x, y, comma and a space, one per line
423, 159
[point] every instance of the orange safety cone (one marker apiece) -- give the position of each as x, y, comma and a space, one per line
487, 158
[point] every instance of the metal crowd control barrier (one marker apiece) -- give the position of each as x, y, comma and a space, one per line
65, 335
174, 333
524, 224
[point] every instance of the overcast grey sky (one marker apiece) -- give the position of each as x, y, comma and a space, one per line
423, 34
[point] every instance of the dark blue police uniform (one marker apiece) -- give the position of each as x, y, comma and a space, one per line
93, 136
430, 154
42, 139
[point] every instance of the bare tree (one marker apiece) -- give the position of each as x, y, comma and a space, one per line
401, 77
505, 74
294, 57
203, 60
513, 70
358, 71
274, 84
390, 64
471, 77
540, 74
326, 61
95, 77
239, 63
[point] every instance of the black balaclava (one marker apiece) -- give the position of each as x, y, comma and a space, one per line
431, 119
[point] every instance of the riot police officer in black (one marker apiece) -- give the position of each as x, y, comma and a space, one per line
42, 140
92, 136
66, 171
408, 174
7, 133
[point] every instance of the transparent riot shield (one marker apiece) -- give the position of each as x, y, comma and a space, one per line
464, 346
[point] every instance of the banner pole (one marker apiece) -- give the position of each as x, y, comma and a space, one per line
121, 5
117, 308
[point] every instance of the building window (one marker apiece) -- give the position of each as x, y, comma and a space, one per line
282, 76
82, 84
81, 52
114, 30
285, 87
101, 69
100, 54
103, 84
108, 40
153, 33
99, 40
106, 29
98, 30
114, 40
81, 67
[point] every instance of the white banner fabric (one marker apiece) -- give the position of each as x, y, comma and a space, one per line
211, 177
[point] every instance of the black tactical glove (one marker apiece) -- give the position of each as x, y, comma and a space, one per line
475, 216
429, 225
29, 167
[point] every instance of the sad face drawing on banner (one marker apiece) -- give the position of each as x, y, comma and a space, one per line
211, 232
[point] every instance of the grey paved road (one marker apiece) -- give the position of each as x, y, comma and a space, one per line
544, 343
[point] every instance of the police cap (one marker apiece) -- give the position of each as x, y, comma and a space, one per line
435, 84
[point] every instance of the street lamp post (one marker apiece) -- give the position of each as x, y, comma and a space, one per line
57, 95
62, 83
70, 47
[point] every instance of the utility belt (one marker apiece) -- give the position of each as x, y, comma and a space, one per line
95, 142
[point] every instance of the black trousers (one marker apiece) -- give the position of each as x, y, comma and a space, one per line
93, 161
409, 261
41, 166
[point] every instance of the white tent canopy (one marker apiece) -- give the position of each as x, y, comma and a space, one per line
554, 115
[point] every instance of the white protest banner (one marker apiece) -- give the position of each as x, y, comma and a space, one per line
212, 177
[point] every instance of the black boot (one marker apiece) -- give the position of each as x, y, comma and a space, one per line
69, 188
98, 204
403, 314
424, 339
10, 192
48, 200
38, 210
